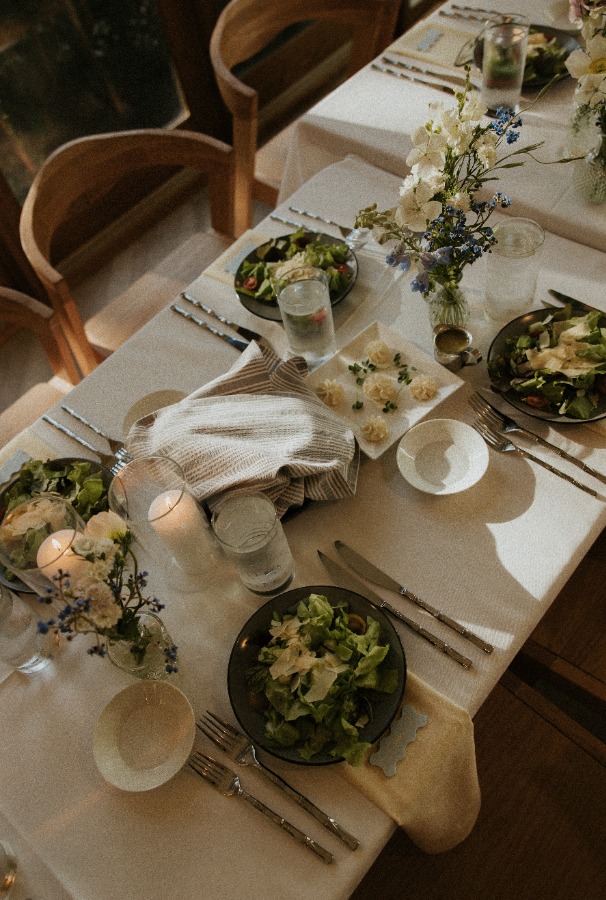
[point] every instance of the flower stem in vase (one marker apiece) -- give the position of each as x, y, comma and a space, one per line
447, 305
146, 649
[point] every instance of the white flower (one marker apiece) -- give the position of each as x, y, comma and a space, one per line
330, 392
591, 90
461, 200
106, 525
379, 387
417, 207
429, 150
473, 108
375, 429
103, 611
588, 66
378, 353
459, 133
486, 149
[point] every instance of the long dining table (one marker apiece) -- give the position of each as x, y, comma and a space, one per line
493, 557
373, 115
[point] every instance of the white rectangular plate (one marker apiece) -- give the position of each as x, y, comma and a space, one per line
409, 411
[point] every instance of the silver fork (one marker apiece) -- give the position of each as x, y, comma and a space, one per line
504, 445
116, 447
115, 462
498, 421
238, 747
228, 784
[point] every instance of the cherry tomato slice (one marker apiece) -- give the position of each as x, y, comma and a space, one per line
251, 283
536, 402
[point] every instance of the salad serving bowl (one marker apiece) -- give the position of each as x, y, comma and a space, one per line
255, 635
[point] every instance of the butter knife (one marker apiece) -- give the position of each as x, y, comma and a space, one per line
235, 342
413, 78
247, 333
372, 573
564, 298
345, 579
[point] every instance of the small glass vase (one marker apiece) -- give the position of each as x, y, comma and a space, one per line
144, 657
447, 305
589, 177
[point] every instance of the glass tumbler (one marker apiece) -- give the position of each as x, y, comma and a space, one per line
151, 495
251, 534
21, 644
36, 538
512, 267
304, 301
503, 62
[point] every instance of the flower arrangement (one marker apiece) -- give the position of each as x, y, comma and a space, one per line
588, 66
440, 223
100, 591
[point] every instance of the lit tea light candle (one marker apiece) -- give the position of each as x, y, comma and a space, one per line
178, 520
54, 552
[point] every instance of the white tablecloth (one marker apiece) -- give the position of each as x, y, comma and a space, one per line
494, 557
373, 116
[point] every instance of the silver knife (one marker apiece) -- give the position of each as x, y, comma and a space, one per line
400, 64
247, 333
372, 573
406, 77
345, 579
235, 342
564, 298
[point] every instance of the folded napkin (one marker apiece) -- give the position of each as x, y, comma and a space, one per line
434, 795
258, 427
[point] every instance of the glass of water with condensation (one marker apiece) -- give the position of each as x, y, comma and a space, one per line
304, 301
512, 267
249, 530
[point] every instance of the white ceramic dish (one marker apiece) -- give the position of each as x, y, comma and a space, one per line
144, 736
442, 456
409, 411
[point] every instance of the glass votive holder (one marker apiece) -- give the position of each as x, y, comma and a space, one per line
8, 869
249, 530
36, 538
152, 496
304, 301
21, 644
503, 60
512, 267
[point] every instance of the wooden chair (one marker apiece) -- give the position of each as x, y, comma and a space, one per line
80, 176
541, 829
20, 311
244, 29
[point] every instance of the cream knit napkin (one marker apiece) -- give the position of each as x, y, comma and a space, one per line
258, 427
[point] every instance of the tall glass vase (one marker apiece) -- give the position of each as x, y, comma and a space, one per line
447, 305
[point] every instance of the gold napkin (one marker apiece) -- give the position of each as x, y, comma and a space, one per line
258, 427
434, 795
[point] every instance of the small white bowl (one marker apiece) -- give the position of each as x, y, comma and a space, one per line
442, 456
144, 735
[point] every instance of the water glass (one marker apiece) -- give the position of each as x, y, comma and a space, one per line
36, 538
251, 534
8, 869
304, 301
512, 267
152, 496
503, 62
21, 644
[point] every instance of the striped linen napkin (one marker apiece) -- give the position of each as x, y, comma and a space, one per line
258, 427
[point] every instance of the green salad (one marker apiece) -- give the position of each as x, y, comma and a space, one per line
557, 365
79, 481
316, 678
273, 260
545, 58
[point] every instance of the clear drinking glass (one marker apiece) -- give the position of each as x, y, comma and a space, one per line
503, 61
512, 267
151, 495
304, 301
21, 644
36, 538
8, 869
251, 534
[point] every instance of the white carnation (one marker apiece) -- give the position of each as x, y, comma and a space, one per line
375, 429
378, 353
379, 387
330, 392
423, 388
